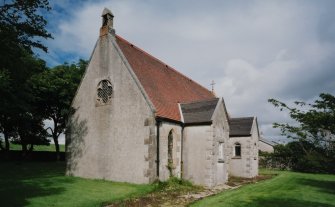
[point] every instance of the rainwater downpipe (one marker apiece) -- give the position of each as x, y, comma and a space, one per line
157, 150
181, 151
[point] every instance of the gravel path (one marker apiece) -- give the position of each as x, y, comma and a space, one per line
178, 199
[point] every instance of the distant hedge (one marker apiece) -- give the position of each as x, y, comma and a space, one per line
292, 156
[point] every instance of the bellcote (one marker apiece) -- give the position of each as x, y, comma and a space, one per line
107, 23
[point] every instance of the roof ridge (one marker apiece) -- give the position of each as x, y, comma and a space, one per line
158, 60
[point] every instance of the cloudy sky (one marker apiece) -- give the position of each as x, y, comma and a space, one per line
253, 50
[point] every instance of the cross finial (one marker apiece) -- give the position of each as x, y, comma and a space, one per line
212, 84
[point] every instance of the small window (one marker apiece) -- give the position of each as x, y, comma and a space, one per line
237, 150
104, 92
221, 151
170, 147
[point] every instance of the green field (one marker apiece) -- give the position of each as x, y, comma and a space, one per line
51, 147
44, 184
288, 189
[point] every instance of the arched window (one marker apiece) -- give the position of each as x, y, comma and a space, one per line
170, 147
237, 150
104, 92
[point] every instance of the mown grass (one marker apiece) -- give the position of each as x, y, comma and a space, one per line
44, 184
49, 148
288, 189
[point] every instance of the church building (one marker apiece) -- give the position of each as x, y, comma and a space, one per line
137, 120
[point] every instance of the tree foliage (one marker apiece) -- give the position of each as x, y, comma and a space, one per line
17, 100
21, 22
22, 26
31, 131
292, 156
313, 131
54, 90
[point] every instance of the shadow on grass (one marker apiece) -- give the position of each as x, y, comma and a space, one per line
280, 202
323, 185
21, 181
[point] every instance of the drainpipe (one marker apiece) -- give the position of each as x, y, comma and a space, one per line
181, 151
157, 149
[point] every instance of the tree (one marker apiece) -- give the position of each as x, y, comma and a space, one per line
16, 95
4, 88
21, 28
21, 22
30, 130
314, 127
55, 89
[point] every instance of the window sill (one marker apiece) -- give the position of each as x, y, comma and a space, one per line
220, 161
237, 157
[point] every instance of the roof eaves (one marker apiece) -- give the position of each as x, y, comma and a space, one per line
199, 123
159, 118
240, 135
198, 101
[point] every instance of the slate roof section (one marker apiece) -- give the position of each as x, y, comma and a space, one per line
272, 143
240, 127
165, 86
199, 111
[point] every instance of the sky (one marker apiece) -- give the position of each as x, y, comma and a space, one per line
253, 50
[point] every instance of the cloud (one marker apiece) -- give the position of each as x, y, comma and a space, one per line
254, 50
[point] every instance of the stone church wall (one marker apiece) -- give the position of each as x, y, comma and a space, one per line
247, 164
220, 129
238, 165
255, 149
113, 141
202, 162
197, 154
164, 130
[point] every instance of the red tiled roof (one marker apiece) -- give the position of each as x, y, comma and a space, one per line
164, 85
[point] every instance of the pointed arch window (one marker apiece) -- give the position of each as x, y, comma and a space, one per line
170, 147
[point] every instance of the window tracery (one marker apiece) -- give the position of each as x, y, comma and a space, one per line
104, 92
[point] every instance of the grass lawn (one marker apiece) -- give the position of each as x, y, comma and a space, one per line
288, 189
44, 184
51, 147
